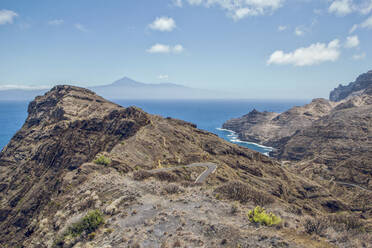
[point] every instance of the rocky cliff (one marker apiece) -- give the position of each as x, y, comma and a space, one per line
270, 128
340, 140
324, 140
357, 87
51, 178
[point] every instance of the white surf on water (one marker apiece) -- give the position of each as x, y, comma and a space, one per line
234, 138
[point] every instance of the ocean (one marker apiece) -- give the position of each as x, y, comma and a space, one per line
206, 114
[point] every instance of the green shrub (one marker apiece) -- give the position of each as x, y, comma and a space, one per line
259, 215
88, 224
102, 160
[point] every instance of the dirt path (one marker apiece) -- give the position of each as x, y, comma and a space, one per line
211, 168
352, 185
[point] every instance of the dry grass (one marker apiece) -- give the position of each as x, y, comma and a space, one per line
345, 223
172, 189
243, 193
315, 226
166, 176
141, 175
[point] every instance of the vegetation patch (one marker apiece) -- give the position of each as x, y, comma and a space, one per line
243, 193
342, 222
315, 226
141, 175
85, 227
172, 189
166, 176
259, 215
102, 160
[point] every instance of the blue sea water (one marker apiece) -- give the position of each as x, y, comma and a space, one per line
206, 114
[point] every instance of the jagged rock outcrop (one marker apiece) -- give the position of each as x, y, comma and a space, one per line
48, 180
270, 128
357, 87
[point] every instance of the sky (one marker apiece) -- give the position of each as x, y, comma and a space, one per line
292, 49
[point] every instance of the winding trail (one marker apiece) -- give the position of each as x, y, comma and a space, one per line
211, 168
352, 185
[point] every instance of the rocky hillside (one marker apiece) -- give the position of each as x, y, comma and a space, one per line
325, 141
270, 128
357, 87
80, 174
341, 141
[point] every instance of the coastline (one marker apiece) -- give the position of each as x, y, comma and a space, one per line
233, 138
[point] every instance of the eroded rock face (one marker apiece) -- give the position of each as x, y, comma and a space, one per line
340, 140
357, 87
65, 128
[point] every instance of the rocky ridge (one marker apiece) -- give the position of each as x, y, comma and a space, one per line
49, 180
357, 87
269, 128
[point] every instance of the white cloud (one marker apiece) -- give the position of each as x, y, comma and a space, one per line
239, 9
305, 56
353, 28
299, 31
352, 41
161, 48
341, 7
366, 24
7, 16
177, 3
56, 22
344, 7
81, 27
24, 87
163, 24
359, 56
163, 77
282, 28
178, 48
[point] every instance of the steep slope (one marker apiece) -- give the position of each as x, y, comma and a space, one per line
270, 128
341, 141
48, 181
363, 82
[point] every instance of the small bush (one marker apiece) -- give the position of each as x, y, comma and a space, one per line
259, 215
141, 175
239, 191
166, 176
234, 208
87, 225
102, 160
316, 226
172, 189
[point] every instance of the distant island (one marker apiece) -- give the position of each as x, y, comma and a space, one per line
127, 88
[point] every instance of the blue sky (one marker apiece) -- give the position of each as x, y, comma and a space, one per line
258, 48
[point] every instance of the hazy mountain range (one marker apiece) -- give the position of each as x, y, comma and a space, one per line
127, 88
